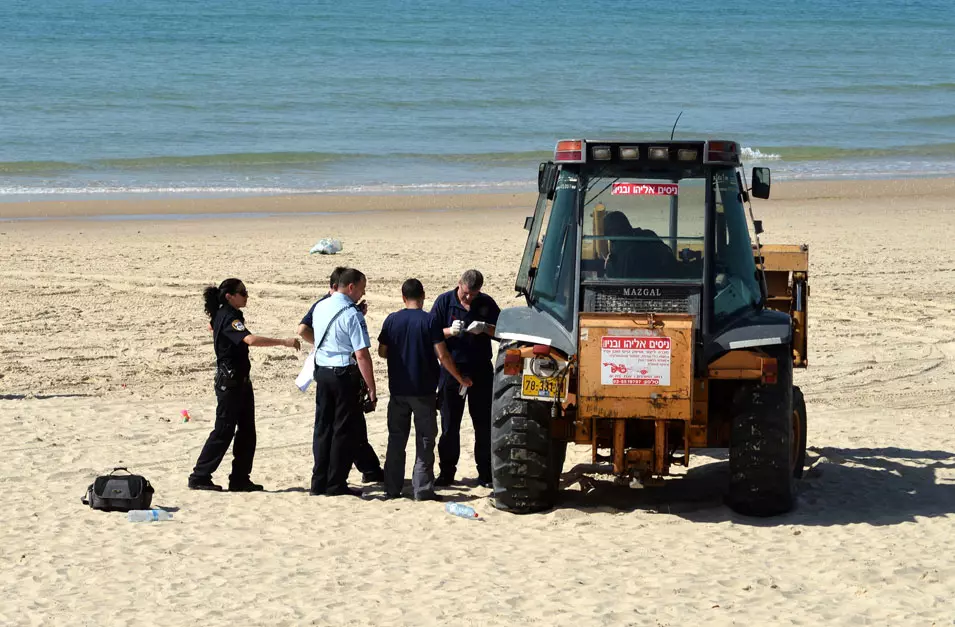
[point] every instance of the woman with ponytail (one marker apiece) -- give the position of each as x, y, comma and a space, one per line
235, 411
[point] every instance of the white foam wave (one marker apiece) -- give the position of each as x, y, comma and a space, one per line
120, 189
754, 154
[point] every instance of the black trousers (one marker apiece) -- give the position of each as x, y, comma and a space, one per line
235, 417
452, 410
366, 459
338, 427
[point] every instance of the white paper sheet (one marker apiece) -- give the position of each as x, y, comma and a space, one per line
304, 378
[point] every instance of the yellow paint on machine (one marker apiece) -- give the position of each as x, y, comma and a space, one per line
622, 369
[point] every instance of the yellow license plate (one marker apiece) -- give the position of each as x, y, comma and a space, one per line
540, 388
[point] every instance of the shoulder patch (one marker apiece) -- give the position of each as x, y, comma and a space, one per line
237, 325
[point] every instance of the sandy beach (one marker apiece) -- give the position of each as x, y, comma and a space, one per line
103, 342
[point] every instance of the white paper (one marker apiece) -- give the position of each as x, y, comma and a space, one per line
477, 327
304, 378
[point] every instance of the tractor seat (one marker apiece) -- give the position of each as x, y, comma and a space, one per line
645, 259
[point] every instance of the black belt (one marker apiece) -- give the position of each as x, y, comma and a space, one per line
340, 370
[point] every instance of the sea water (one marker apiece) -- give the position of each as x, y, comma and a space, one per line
144, 98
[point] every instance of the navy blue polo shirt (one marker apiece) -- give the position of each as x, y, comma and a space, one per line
466, 348
307, 320
410, 335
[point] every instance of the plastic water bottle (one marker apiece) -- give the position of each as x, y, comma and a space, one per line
148, 515
464, 511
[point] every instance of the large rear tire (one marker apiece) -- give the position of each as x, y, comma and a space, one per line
526, 460
762, 450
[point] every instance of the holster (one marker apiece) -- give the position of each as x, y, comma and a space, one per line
226, 377
364, 396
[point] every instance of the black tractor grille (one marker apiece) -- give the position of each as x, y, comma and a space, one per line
642, 300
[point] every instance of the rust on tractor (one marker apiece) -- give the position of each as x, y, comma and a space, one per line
608, 389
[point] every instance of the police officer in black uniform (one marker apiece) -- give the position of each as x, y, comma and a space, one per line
235, 411
468, 318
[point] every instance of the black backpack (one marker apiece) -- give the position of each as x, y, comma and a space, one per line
119, 493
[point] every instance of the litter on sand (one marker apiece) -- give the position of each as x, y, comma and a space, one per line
326, 246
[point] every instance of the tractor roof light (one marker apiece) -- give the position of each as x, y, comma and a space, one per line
687, 154
629, 152
722, 151
659, 153
569, 151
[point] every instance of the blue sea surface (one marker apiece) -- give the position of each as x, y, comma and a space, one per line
110, 97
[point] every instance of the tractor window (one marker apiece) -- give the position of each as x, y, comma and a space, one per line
735, 284
554, 288
532, 246
643, 228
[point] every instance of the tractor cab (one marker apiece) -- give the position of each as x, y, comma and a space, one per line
626, 232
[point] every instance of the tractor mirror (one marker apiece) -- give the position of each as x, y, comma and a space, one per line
547, 179
528, 221
761, 180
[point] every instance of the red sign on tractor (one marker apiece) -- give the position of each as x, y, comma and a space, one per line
645, 189
636, 343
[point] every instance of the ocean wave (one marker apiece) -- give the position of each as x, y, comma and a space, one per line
755, 154
410, 173
836, 153
263, 190
241, 159
39, 167
275, 163
936, 120
233, 160
265, 161
877, 89
487, 158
